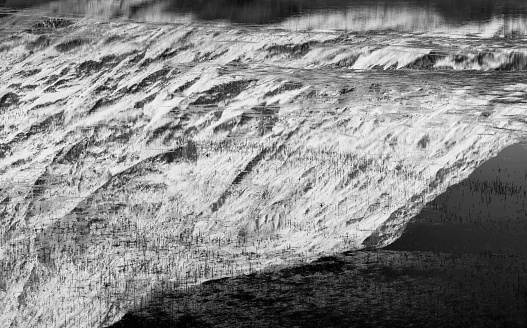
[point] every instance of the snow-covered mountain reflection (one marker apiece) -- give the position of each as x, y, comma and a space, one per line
134, 154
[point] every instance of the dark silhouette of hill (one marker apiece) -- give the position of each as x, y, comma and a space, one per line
268, 11
272, 11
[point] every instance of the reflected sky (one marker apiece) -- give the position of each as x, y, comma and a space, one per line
447, 12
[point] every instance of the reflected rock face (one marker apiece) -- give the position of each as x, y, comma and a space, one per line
133, 154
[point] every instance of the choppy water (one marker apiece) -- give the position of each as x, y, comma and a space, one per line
147, 146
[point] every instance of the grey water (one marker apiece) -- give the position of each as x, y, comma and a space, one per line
484, 214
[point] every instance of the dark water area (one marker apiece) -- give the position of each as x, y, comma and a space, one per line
359, 289
460, 263
486, 213
254, 12
250, 11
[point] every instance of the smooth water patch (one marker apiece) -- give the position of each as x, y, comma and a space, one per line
484, 213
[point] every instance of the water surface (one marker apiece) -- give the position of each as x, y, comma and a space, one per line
486, 213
